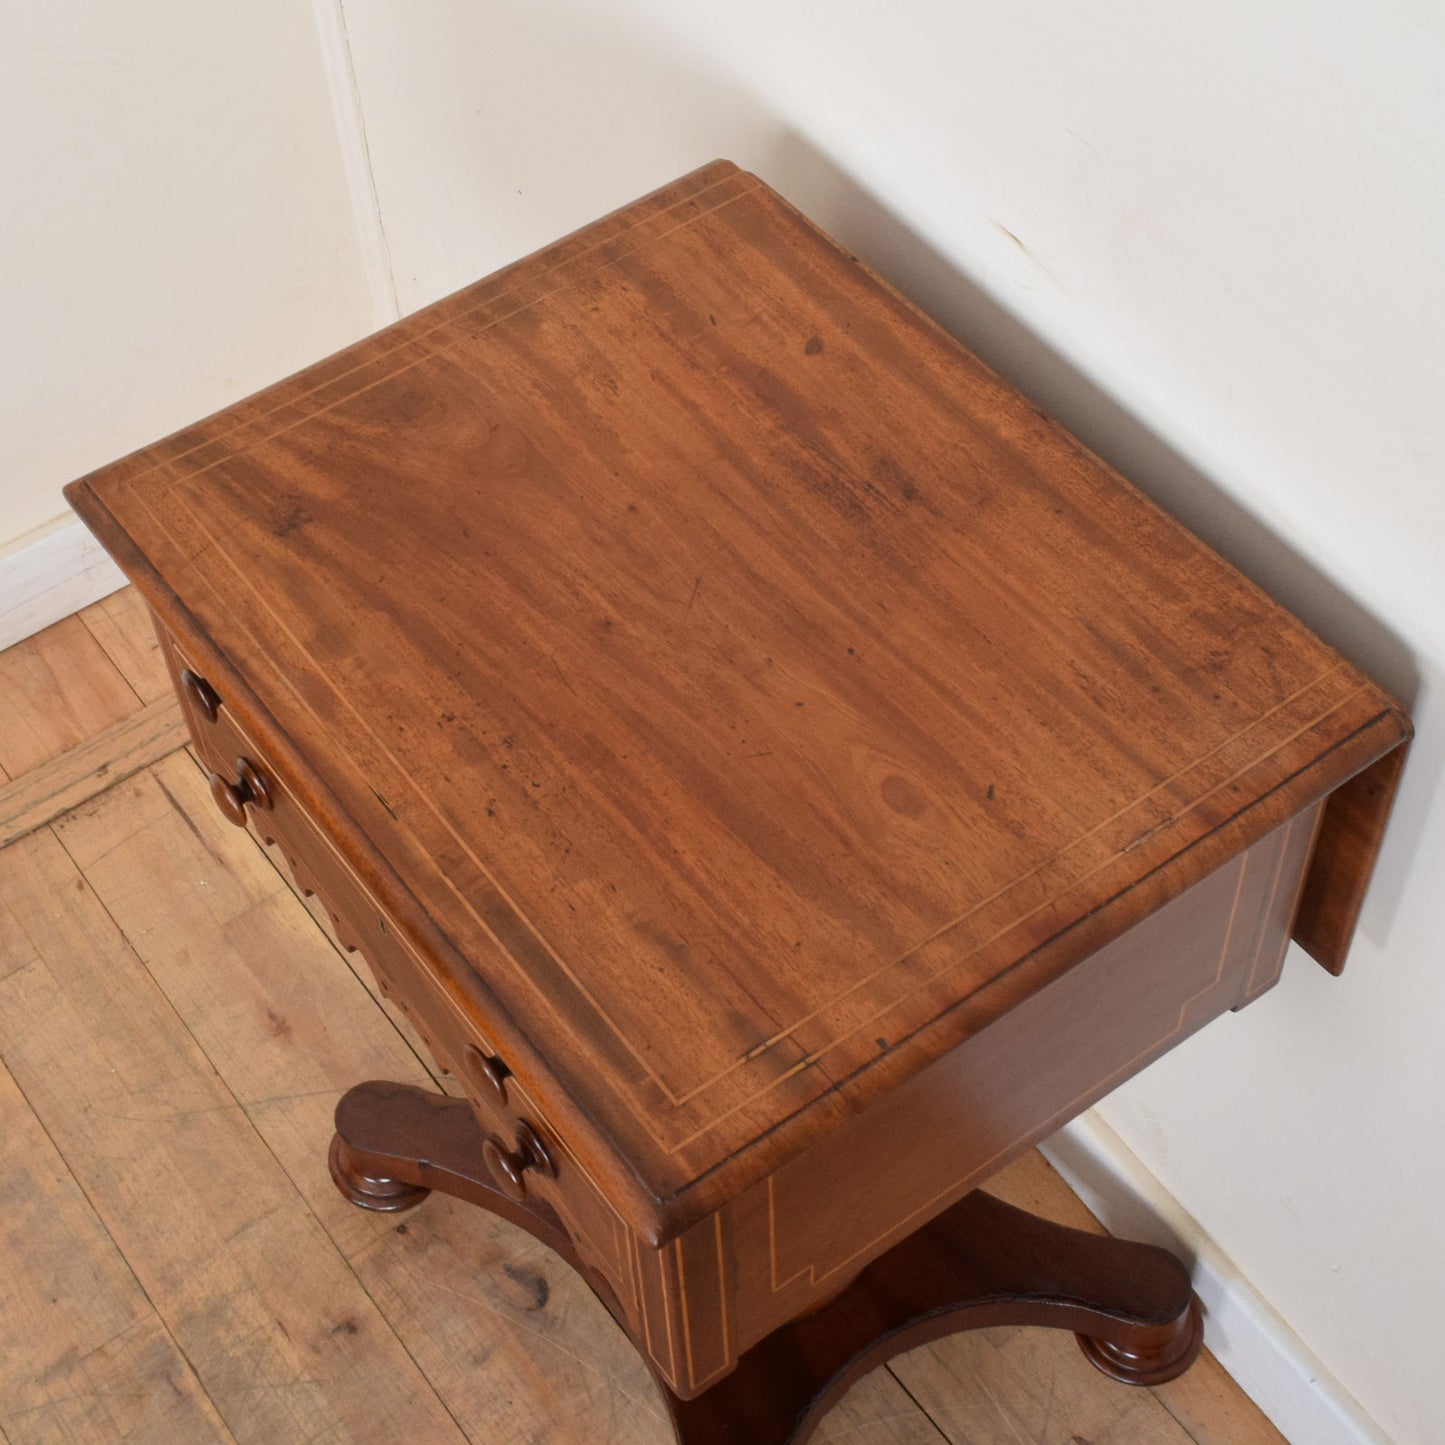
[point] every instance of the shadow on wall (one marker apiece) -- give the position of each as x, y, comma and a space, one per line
934, 283
614, 116
938, 286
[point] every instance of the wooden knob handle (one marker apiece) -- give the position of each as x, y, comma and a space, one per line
201, 695
509, 1167
489, 1074
506, 1167
251, 786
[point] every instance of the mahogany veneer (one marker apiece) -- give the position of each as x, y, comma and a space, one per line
781, 774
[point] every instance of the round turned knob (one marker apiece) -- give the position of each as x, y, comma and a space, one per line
201, 695
488, 1073
506, 1168
509, 1167
251, 786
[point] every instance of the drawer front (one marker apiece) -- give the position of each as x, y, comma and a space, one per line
250, 788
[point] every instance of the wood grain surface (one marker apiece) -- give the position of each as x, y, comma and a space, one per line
743, 692
88, 1358
122, 626
42, 794
63, 665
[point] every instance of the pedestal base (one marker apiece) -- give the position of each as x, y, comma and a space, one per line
979, 1263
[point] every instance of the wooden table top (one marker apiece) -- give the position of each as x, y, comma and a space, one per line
746, 690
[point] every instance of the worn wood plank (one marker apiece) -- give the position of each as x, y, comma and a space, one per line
278, 1010
86, 1356
279, 1331
319, 915
57, 689
69, 779
122, 626
1214, 1410
878, 1411
993, 1387
517, 1345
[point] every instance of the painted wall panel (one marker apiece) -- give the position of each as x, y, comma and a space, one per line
176, 229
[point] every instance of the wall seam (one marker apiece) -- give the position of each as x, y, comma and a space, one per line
349, 116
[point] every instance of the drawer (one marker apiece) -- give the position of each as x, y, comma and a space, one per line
252, 790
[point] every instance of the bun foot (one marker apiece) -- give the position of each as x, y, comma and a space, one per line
1148, 1355
370, 1191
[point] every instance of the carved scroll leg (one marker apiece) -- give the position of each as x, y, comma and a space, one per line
395, 1143
980, 1263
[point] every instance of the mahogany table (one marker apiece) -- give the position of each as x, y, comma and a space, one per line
781, 774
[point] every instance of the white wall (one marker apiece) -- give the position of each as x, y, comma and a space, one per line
175, 227
1209, 237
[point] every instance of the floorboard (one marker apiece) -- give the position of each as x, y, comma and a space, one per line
97, 1363
72, 778
277, 1327
121, 625
57, 689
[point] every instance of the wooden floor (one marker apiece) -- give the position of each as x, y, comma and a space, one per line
175, 1264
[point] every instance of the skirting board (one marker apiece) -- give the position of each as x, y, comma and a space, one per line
1266, 1358
50, 574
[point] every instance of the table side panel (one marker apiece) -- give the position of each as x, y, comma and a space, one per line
801, 1236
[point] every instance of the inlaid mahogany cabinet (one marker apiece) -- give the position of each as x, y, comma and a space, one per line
781, 774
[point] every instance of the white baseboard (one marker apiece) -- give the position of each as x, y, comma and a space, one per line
1267, 1359
50, 573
